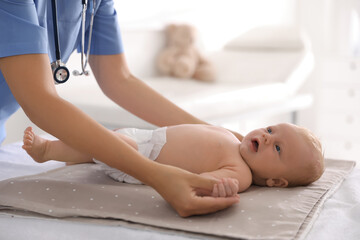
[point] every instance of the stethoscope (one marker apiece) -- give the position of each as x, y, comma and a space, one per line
60, 72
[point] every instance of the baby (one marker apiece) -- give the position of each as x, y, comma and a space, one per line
282, 155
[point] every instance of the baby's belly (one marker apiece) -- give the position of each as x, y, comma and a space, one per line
199, 153
195, 161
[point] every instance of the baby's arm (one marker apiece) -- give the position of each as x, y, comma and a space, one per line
231, 181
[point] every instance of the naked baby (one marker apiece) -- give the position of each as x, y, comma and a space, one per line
282, 155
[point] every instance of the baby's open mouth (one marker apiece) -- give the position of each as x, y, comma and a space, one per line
255, 144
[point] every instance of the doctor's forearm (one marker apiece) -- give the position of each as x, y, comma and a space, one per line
138, 98
117, 82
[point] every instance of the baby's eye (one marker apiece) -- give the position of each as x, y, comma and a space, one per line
277, 148
269, 130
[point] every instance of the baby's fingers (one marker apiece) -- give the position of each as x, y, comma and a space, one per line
227, 186
222, 190
215, 192
234, 186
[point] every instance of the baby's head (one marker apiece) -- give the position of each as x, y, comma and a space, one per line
283, 155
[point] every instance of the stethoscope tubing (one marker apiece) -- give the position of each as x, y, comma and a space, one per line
56, 31
60, 72
83, 65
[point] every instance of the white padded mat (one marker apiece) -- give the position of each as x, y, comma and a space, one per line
84, 191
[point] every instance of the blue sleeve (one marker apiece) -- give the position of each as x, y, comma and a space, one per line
106, 36
20, 32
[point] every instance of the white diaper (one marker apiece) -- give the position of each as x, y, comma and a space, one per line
149, 143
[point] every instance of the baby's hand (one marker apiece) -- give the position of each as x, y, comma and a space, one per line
226, 188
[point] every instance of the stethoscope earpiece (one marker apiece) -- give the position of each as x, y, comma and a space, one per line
77, 73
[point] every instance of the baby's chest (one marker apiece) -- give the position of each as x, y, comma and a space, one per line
220, 145
217, 151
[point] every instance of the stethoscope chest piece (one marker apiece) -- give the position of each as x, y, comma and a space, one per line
60, 73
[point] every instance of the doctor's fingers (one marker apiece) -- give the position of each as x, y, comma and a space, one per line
204, 182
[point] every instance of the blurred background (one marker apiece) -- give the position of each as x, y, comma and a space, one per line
331, 26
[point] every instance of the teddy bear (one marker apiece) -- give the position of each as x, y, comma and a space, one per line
181, 58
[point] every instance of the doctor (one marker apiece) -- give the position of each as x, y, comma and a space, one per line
33, 35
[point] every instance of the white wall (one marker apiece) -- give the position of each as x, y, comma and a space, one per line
334, 29
327, 23
218, 21
312, 18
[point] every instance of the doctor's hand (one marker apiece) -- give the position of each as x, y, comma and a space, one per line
178, 187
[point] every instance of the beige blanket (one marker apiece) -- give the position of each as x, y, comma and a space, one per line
85, 191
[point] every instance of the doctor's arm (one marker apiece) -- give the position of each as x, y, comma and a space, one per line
116, 81
34, 90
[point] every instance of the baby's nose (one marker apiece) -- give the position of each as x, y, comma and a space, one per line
267, 138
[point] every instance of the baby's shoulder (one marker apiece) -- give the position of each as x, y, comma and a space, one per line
244, 176
241, 170
221, 133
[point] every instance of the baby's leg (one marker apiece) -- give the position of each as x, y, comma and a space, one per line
42, 150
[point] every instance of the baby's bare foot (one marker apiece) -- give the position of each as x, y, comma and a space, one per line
34, 145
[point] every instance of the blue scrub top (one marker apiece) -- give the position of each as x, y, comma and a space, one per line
26, 27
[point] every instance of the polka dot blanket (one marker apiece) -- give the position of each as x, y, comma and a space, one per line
84, 191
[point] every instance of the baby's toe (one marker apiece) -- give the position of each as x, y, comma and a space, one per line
28, 142
26, 147
28, 129
28, 136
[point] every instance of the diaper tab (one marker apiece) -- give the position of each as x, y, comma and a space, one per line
158, 140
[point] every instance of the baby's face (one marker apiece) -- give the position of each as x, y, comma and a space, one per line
275, 152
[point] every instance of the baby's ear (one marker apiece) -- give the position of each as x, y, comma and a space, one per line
281, 182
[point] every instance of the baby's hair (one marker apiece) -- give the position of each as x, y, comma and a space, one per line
313, 169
